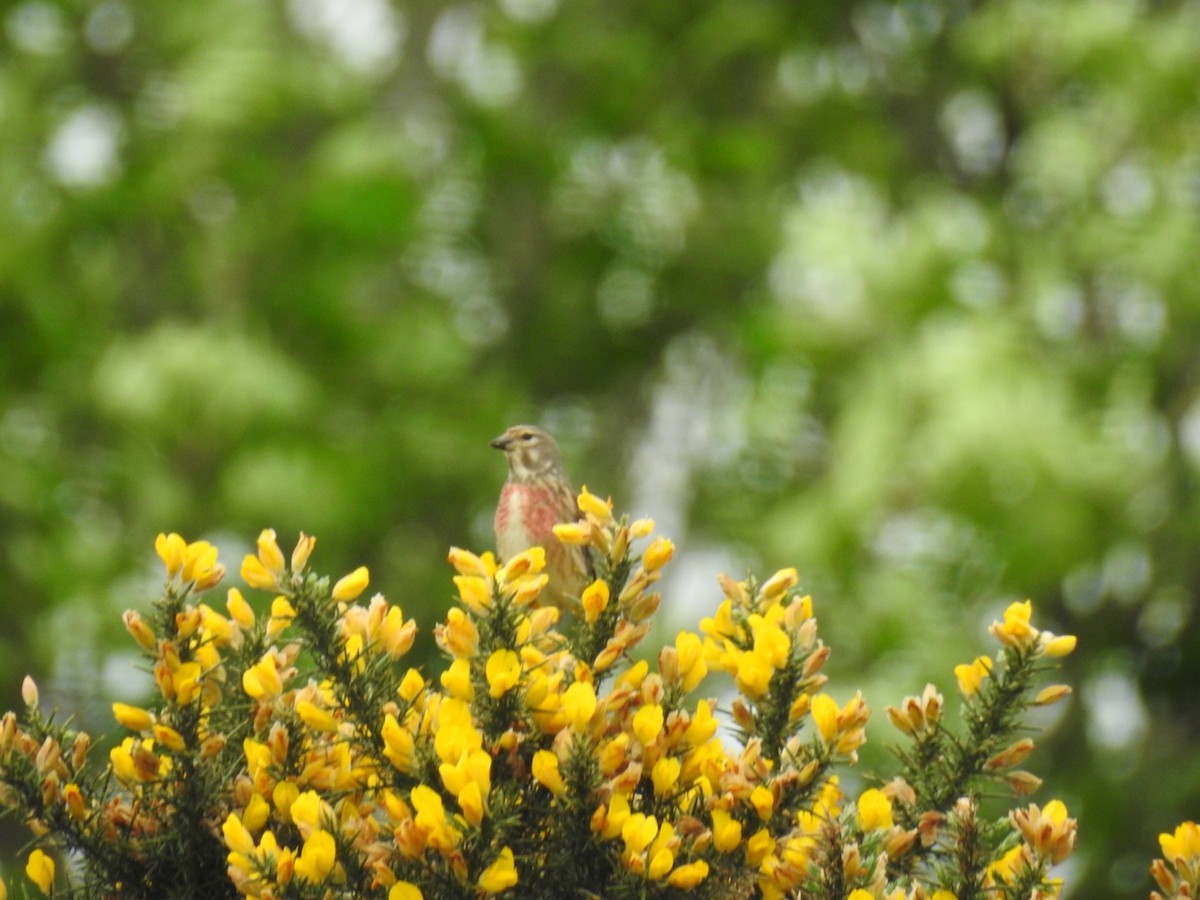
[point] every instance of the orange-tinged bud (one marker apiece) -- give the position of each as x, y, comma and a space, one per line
1011, 755
29, 692
658, 554
304, 549
779, 584
139, 630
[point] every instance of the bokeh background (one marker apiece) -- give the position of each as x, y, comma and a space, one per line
904, 294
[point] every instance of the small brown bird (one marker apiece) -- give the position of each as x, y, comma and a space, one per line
536, 497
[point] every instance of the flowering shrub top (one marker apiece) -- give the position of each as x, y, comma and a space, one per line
294, 754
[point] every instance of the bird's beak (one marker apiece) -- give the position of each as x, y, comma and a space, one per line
503, 442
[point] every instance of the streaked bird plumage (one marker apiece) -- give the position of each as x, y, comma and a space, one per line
537, 496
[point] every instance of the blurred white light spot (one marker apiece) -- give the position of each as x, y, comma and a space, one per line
109, 27
1127, 571
459, 51
212, 202
1162, 619
37, 28
82, 151
529, 10
625, 297
978, 284
1059, 310
1189, 433
1117, 718
975, 130
365, 35
1127, 190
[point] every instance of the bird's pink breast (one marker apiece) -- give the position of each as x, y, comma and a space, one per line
525, 516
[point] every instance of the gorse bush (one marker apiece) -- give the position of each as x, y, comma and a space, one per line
294, 754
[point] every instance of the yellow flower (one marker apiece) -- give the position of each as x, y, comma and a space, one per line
1004, 869
779, 584
284, 795
1015, 630
467, 563
40, 870
411, 685
309, 812
350, 586
658, 554
592, 505
458, 635
637, 832
237, 836
139, 630
665, 775
758, 846
169, 738
752, 672
527, 562
255, 574
399, 746
727, 831
132, 717
579, 704
1058, 645
255, 815
475, 592
825, 715
269, 553
577, 533
1183, 847
200, 565
500, 875
595, 600
405, 890
73, 798
874, 810
648, 723
170, 549
185, 682
860, 894
970, 675
770, 641
703, 725
503, 671
692, 668
261, 681
456, 679
470, 801
282, 614
943, 895
688, 876
317, 857
315, 717
396, 634
546, 773
1049, 832
763, 801
301, 553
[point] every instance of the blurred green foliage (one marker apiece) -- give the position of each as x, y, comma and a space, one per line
902, 293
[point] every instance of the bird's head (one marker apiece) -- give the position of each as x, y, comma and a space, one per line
531, 452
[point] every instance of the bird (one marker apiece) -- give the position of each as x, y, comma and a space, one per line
537, 496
